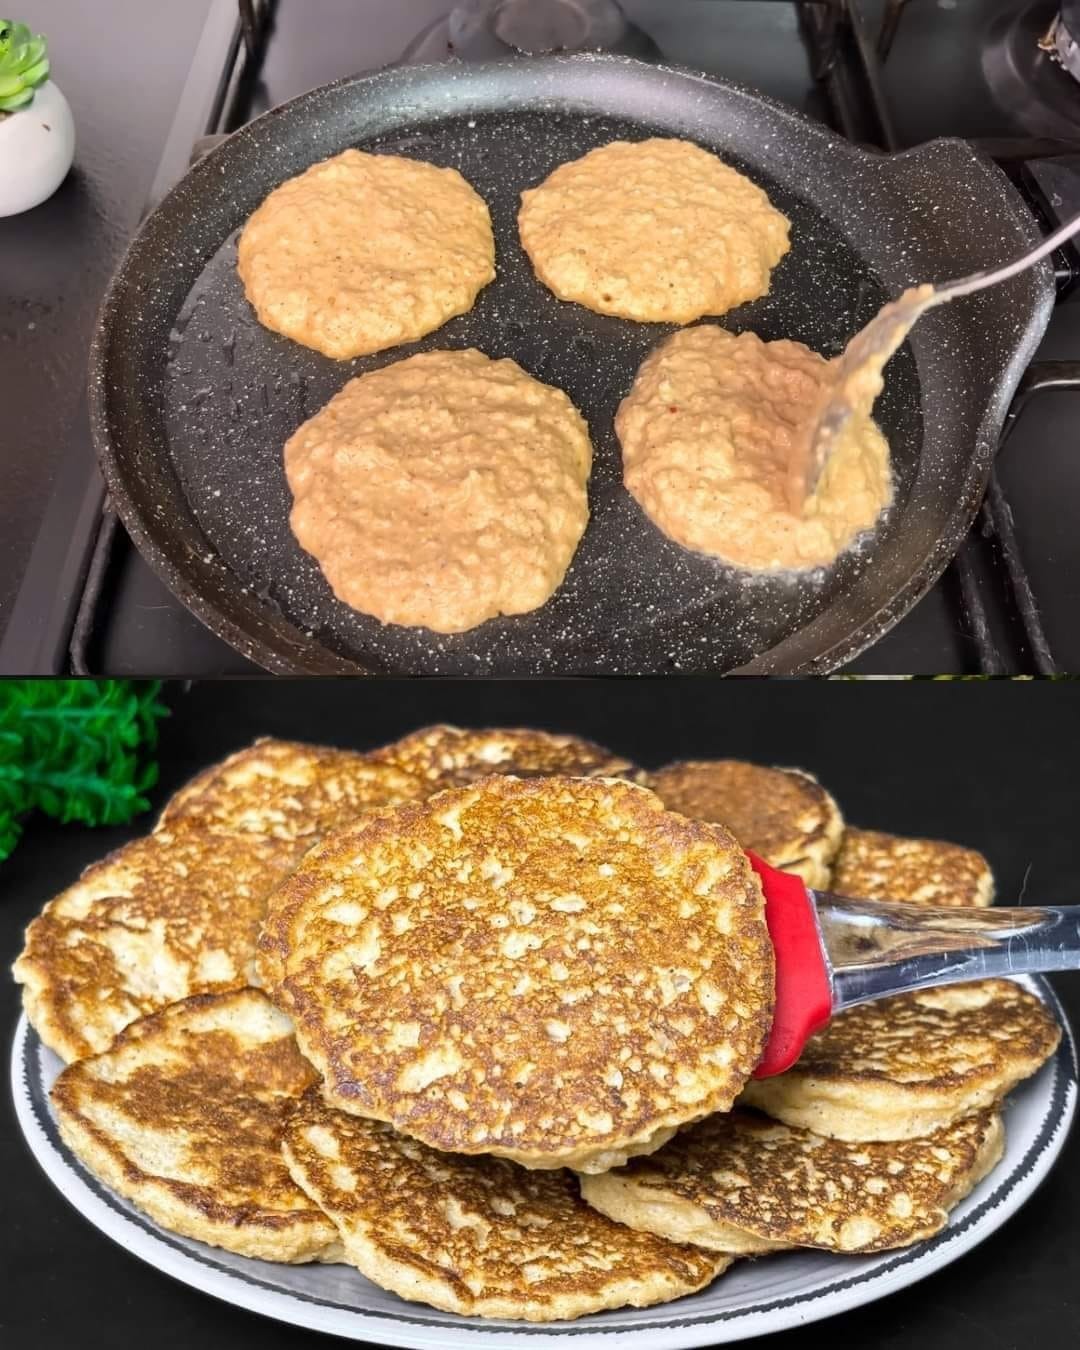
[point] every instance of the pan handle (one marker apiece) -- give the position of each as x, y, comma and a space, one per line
1039, 377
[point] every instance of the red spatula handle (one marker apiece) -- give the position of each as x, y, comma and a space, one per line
803, 989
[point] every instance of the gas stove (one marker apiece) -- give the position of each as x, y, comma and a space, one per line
887, 75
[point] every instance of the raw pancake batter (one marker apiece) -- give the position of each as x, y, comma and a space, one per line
363, 252
713, 436
656, 230
442, 490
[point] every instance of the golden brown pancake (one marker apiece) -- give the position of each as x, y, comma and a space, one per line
477, 1236
783, 815
183, 1116
906, 1066
555, 970
174, 914
657, 230
876, 866
362, 252
446, 756
288, 790
743, 1184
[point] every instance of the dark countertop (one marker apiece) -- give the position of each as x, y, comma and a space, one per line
122, 65
993, 766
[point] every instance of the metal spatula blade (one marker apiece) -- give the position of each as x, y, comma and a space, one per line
855, 380
833, 952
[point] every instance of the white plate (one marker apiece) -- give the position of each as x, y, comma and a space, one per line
752, 1298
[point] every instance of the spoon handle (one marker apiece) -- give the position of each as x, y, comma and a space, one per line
857, 371
978, 281
874, 949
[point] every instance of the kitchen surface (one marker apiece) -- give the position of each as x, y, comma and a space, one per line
75, 595
989, 766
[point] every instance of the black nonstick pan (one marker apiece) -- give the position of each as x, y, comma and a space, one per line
192, 401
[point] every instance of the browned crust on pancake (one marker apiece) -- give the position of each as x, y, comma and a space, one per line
166, 916
218, 1097
784, 815
431, 1011
289, 790
283, 904
873, 865
449, 756
444, 756
791, 1188
477, 1236
904, 1066
945, 1038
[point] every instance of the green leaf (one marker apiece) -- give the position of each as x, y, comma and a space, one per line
77, 750
12, 35
36, 74
24, 64
19, 100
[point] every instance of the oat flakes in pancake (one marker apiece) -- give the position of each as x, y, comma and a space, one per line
784, 815
446, 756
442, 490
477, 1236
743, 1184
274, 938
877, 866
183, 1117
905, 1066
658, 230
288, 790
714, 435
173, 914
362, 252
556, 970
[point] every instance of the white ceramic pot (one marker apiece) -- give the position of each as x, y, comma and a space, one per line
37, 146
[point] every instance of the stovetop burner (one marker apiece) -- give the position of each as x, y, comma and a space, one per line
1059, 40
478, 30
1032, 66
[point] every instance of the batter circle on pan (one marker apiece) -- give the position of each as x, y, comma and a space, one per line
362, 252
657, 230
442, 490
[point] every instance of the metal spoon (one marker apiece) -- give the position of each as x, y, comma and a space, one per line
856, 374
833, 952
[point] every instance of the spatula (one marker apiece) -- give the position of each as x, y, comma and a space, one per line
855, 378
833, 952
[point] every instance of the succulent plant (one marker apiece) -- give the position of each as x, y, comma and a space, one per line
23, 65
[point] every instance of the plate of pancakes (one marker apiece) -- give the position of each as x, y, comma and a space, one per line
452, 1042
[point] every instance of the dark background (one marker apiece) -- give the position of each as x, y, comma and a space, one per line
990, 765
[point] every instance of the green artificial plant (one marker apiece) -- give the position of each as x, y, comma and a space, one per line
23, 65
76, 750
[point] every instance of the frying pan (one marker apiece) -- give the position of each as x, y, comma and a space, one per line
192, 401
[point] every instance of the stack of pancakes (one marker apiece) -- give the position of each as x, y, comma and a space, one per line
477, 1013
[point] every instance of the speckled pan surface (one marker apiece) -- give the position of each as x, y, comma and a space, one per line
191, 401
